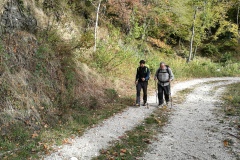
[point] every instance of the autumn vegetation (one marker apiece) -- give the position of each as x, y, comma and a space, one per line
53, 84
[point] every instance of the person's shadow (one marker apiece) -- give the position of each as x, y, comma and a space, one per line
152, 105
147, 105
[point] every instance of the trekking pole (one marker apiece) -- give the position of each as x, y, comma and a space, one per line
156, 90
170, 92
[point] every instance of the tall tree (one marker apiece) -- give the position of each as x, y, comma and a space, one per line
96, 26
192, 36
238, 22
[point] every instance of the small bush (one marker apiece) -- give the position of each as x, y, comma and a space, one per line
87, 39
227, 56
209, 50
94, 103
111, 94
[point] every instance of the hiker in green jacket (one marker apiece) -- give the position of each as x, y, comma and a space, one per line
141, 81
164, 75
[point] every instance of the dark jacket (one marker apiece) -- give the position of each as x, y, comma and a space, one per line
142, 72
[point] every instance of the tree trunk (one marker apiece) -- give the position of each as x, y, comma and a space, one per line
238, 23
192, 37
179, 43
195, 51
96, 26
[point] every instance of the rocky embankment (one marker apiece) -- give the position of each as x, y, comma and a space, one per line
15, 17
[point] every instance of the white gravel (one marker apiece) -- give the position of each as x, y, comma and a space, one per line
194, 132
94, 139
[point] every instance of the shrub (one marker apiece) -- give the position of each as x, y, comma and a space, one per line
111, 94
209, 50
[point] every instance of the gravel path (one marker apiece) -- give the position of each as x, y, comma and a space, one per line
94, 139
194, 132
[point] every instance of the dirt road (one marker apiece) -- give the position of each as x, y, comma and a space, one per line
190, 134
194, 131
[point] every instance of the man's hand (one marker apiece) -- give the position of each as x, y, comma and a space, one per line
136, 82
143, 79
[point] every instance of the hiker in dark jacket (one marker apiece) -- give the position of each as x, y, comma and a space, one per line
141, 82
164, 75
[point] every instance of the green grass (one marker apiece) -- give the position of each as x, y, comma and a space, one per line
115, 61
79, 118
21, 142
18, 142
136, 141
232, 100
231, 107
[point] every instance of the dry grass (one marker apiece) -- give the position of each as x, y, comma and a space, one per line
25, 65
90, 84
158, 43
231, 109
2, 3
44, 89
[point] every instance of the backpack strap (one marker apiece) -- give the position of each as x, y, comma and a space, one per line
167, 72
166, 69
145, 67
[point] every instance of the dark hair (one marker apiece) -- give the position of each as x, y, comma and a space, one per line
142, 62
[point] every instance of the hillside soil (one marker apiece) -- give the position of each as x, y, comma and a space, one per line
194, 130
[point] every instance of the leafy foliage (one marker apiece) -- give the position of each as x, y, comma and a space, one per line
46, 80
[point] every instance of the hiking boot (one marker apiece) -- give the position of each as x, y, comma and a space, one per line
167, 104
138, 105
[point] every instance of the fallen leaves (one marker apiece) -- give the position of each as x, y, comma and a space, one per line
34, 135
123, 150
111, 154
225, 143
104, 151
148, 141
158, 121
46, 148
164, 107
66, 141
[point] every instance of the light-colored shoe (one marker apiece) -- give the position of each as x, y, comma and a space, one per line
167, 104
138, 105
160, 105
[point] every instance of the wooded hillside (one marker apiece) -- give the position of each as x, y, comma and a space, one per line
61, 60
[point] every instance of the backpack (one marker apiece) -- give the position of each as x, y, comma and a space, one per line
147, 66
167, 66
146, 71
167, 69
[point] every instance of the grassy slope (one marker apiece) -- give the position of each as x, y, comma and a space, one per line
231, 108
51, 90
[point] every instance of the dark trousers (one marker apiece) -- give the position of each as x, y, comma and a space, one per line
163, 90
142, 85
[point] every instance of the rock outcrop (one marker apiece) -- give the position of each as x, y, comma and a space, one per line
15, 17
